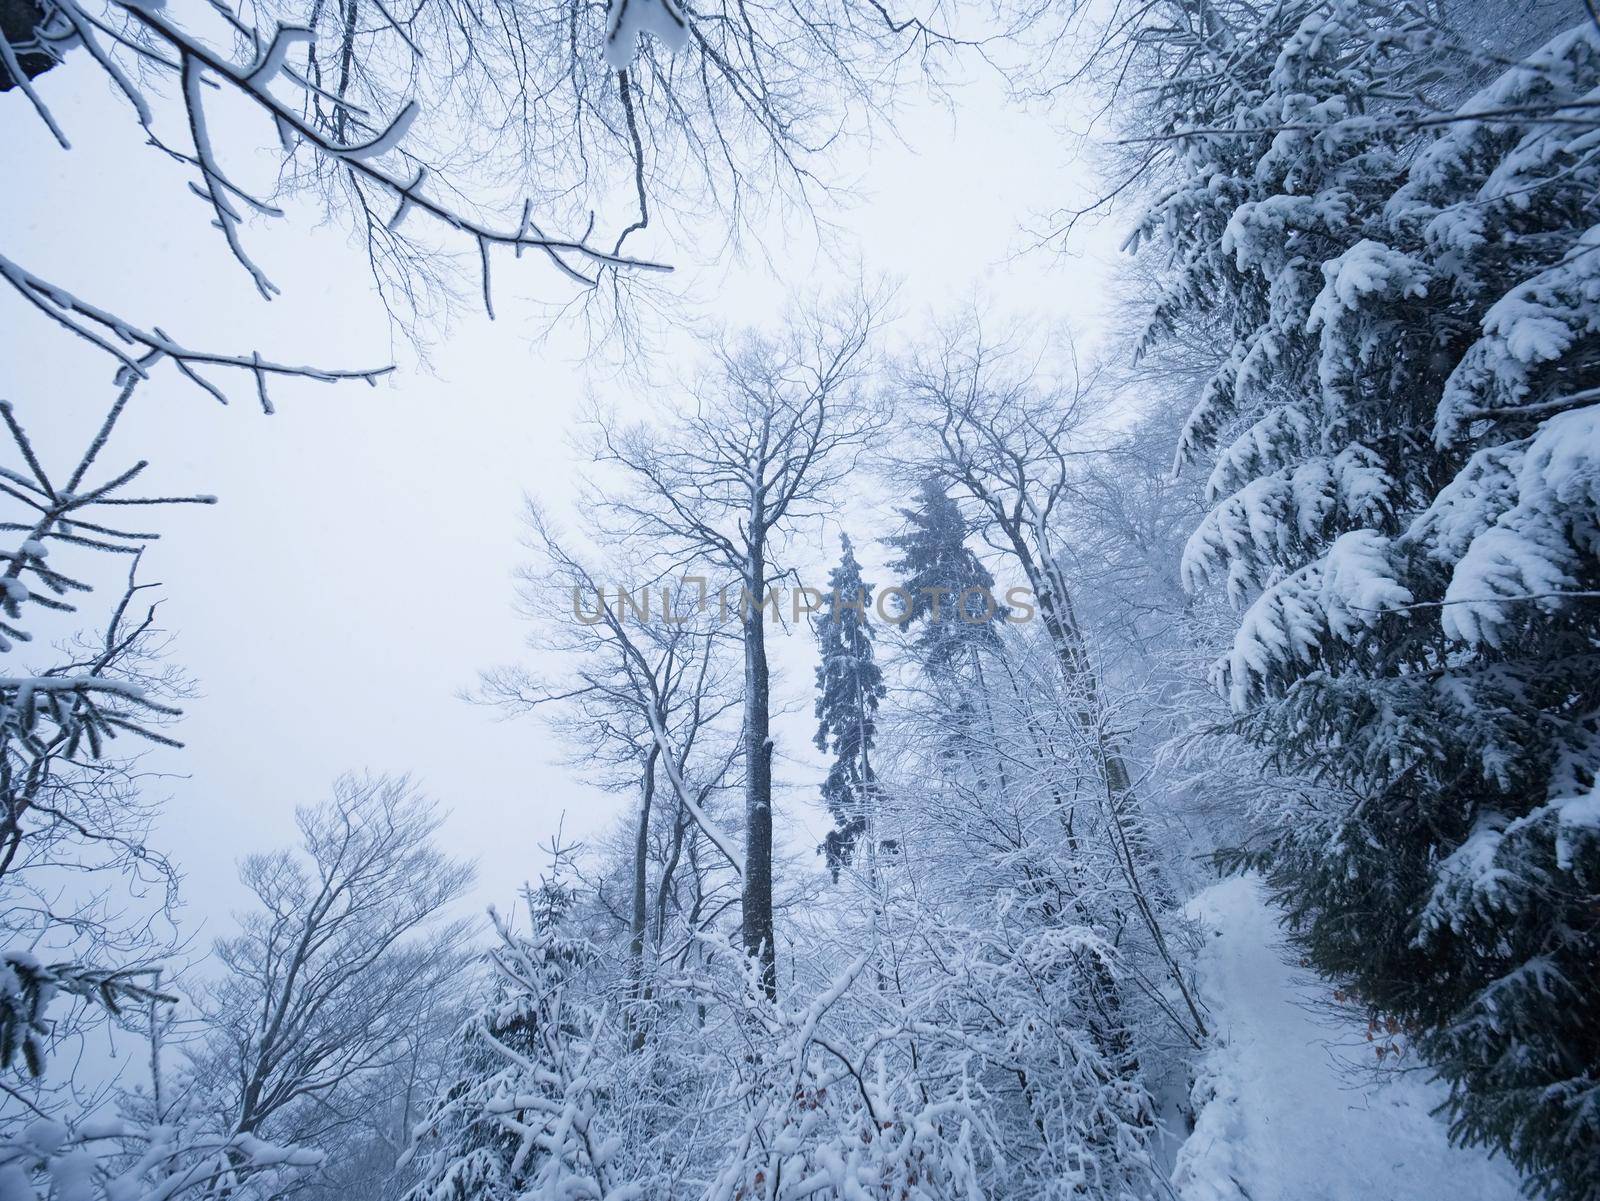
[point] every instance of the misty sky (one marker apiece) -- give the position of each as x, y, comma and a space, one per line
356, 574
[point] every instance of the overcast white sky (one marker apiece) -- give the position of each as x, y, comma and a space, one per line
356, 573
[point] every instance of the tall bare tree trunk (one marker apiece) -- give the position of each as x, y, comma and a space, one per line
637, 917
1135, 857
758, 926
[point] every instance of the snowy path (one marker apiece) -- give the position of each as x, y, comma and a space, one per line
1283, 1123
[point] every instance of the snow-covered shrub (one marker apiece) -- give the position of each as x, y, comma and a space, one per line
115, 1159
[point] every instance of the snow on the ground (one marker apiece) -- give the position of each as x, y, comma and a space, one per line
1281, 1114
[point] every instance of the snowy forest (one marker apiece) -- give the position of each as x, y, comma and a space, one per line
725, 600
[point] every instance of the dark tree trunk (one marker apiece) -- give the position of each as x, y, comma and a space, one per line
757, 895
637, 917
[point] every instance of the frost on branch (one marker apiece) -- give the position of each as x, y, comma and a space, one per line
107, 1159
27, 987
75, 708
365, 151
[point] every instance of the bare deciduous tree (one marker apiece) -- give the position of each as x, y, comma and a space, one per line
760, 447
652, 689
1012, 441
340, 963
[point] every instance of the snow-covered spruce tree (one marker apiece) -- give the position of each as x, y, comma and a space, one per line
849, 687
952, 593
1406, 501
953, 621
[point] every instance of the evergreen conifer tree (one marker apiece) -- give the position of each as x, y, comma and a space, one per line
951, 591
849, 687
1405, 492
